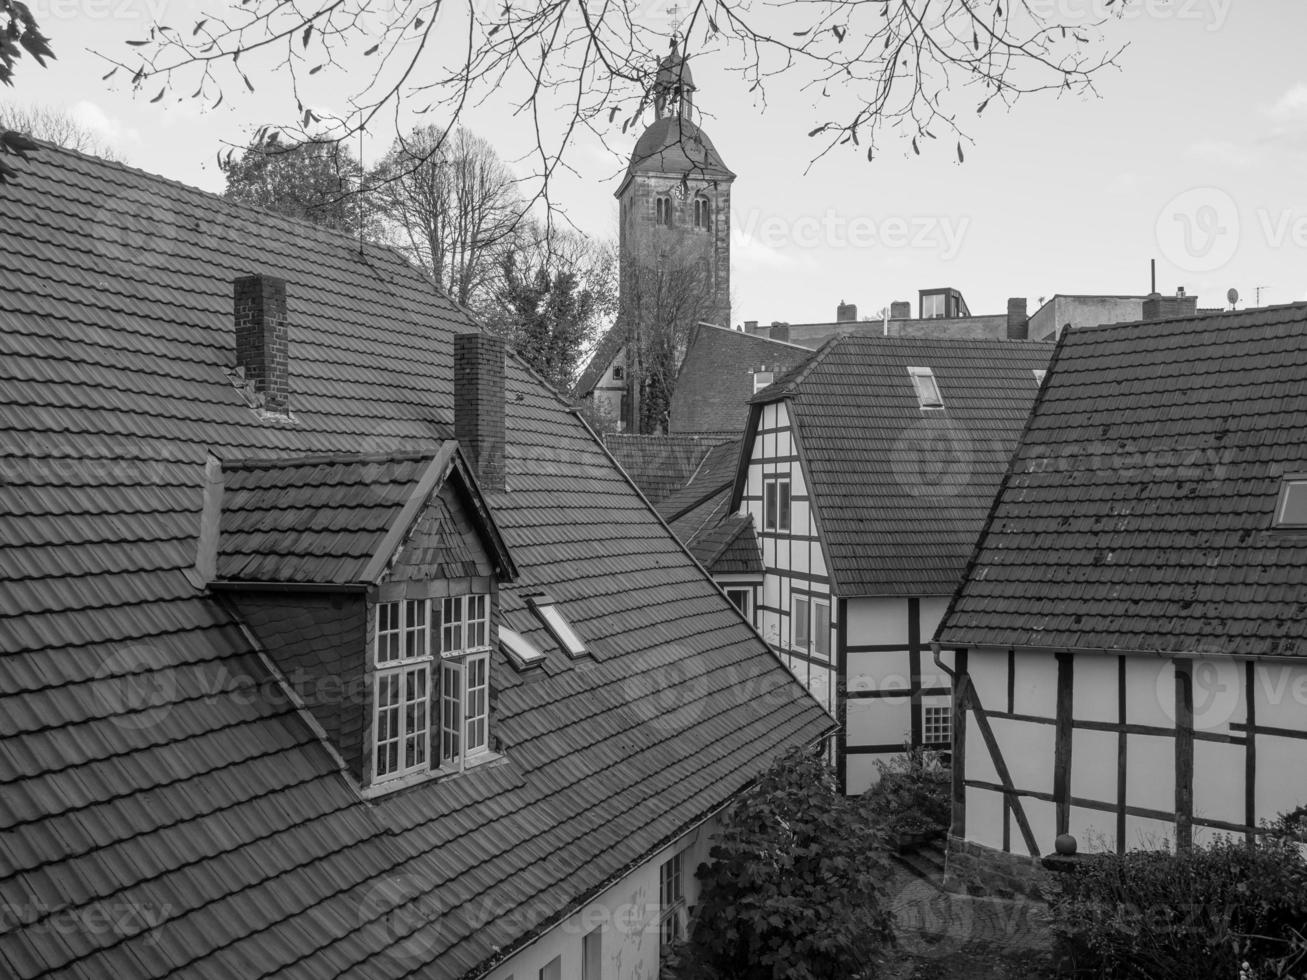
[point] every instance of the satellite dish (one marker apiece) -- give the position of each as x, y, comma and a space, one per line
1232, 296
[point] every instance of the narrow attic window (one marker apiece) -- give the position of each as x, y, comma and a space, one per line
923, 379
1039, 375
561, 629
663, 206
520, 651
761, 379
1291, 508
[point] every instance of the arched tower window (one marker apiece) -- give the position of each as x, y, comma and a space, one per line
664, 210
702, 213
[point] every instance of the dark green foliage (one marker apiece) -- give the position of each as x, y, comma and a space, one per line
551, 319
1226, 911
792, 888
912, 801
314, 181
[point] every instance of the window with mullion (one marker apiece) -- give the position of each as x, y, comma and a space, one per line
401, 689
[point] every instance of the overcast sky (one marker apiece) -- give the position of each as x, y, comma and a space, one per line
1193, 155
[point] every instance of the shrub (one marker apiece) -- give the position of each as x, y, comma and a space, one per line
1228, 910
913, 799
792, 887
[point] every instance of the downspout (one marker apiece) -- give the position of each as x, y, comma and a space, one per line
953, 684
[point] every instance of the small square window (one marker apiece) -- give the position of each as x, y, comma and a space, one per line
761, 379
937, 725
1291, 508
923, 380
619, 372
743, 600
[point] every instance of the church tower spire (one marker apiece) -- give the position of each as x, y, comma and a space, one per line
674, 237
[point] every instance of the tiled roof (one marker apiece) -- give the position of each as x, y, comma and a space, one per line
148, 762
901, 492
659, 464
715, 382
700, 515
606, 351
1138, 512
676, 145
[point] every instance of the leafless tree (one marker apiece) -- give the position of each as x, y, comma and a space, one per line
916, 68
665, 294
54, 125
451, 204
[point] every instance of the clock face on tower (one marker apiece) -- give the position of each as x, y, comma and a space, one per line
683, 190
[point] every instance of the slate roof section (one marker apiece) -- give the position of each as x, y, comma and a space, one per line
715, 382
1137, 516
146, 759
659, 463
606, 351
900, 492
332, 519
699, 514
676, 145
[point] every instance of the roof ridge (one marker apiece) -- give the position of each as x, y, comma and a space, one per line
317, 459
788, 382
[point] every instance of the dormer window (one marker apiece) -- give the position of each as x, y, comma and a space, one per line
663, 205
1291, 508
562, 630
923, 380
408, 690
701, 213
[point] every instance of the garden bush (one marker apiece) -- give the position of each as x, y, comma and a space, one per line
913, 799
1227, 910
792, 889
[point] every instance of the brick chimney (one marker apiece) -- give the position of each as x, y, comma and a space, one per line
900, 310
1159, 307
1018, 322
479, 405
262, 339
780, 331
846, 312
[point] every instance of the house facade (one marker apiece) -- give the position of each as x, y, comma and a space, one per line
332, 643
1132, 654
866, 474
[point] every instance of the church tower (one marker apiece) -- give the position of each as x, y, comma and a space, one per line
674, 245
675, 199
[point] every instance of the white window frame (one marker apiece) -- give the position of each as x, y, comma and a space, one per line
1293, 485
410, 662
592, 954
464, 716
937, 720
773, 521
927, 388
934, 300
761, 379
812, 632
671, 902
746, 610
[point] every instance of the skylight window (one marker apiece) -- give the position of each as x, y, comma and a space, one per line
1039, 375
561, 629
923, 379
1291, 508
520, 650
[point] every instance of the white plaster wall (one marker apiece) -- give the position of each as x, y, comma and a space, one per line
985, 818
987, 670
878, 721
1028, 751
1094, 830
878, 622
1219, 781
1035, 688
1281, 775
1094, 690
628, 913
1150, 772
879, 670
1150, 691
1093, 763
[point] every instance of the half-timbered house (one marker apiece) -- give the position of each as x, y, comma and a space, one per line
332, 642
1131, 637
867, 473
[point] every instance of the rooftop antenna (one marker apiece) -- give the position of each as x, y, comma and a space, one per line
1232, 295
674, 19
1259, 293
1153, 264
360, 202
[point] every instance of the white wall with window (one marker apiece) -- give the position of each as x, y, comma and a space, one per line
621, 933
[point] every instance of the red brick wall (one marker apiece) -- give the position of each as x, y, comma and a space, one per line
263, 337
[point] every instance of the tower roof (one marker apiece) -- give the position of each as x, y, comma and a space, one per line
675, 145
